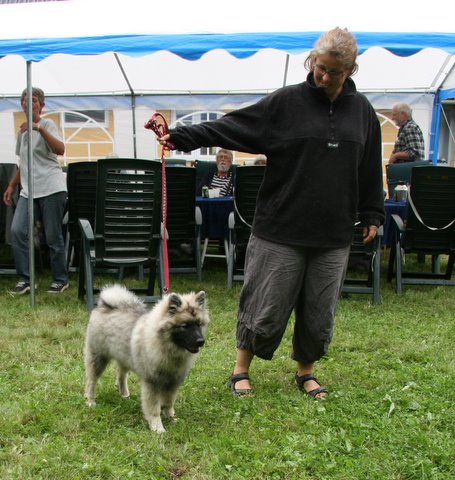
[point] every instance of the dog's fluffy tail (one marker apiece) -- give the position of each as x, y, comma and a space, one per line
118, 297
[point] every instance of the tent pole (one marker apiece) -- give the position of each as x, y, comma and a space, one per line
133, 113
286, 68
435, 129
451, 133
133, 102
31, 220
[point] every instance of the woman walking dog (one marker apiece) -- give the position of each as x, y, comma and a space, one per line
322, 140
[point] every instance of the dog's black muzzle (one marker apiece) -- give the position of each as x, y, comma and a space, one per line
188, 336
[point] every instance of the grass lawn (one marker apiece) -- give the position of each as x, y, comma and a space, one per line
390, 413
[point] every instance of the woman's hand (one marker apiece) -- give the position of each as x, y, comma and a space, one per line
35, 126
7, 195
165, 141
369, 233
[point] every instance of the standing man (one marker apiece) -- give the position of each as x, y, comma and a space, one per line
50, 196
322, 140
409, 146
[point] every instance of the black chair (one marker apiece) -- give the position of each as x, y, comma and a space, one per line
429, 228
202, 167
7, 172
183, 221
397, 173
7, 266
81, 182
364, 267
247, 182
175, 162
127, 225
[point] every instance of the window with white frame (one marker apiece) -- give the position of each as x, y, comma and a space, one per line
85, 119
86, 135
185, 117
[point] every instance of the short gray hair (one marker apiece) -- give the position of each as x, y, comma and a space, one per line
403, 108
36, 92
227, 152
338, 42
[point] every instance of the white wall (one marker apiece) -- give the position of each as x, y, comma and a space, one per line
123, 133
146, 139
7, 138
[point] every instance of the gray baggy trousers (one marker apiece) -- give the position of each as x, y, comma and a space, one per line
280, 278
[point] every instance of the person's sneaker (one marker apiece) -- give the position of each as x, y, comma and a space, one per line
20, 288
57, 287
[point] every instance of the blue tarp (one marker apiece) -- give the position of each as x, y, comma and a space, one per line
193, 46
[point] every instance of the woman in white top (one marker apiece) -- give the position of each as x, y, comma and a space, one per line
50, 196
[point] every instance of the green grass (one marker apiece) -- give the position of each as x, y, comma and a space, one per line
390, 413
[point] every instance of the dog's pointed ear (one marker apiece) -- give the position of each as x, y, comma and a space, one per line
200, 298
174, 303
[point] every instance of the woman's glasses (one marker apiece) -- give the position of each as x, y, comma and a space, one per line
325, 71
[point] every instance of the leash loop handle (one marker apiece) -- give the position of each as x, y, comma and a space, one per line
158, 125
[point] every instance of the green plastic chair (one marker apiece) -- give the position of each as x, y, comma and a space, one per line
202, 167
364, 267
429, 229
397, 173
175, 162
81, 183
127, 228
183, 221
247, 183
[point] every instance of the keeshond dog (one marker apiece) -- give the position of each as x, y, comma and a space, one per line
159, 345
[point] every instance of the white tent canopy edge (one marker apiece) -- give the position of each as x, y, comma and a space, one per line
241, 47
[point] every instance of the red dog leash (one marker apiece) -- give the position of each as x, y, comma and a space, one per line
159, 126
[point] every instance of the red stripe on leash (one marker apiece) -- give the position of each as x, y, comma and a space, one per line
159, 126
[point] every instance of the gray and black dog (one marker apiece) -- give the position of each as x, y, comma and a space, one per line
160, 346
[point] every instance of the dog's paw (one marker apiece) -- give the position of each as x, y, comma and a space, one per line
169, 412
156, 425
90, 402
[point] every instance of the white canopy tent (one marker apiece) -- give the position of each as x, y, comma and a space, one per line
217, 71
90, 54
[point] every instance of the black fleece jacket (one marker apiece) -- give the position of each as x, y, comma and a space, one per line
324, 166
